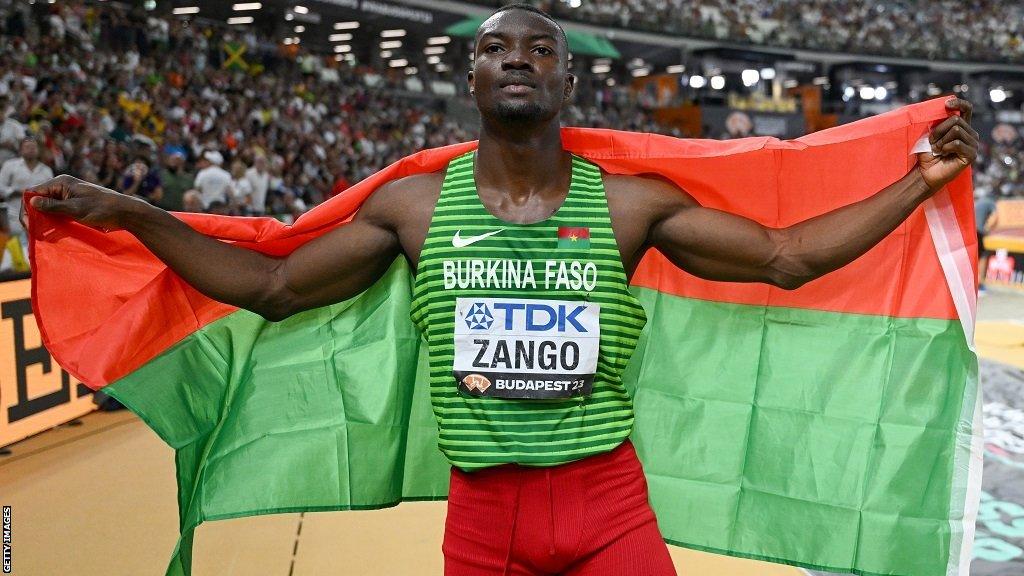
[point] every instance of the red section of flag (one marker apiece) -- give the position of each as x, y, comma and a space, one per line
568, 232
136, 308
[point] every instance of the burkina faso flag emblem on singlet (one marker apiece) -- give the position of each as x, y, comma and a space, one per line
573, 237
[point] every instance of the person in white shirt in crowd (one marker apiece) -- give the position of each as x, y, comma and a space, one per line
259, 178
12, 132
16, 175
212, 181
241, 188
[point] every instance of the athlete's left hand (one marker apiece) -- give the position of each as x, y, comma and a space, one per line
954, 146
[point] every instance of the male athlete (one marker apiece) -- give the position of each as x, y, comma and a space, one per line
527, 345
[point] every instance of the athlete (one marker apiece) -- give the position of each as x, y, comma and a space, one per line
523, 255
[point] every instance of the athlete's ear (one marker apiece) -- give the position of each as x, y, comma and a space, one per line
570, 84
469, 78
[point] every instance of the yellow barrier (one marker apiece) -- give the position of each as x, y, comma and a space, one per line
35, 393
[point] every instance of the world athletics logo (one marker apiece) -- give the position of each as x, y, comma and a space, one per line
479, 317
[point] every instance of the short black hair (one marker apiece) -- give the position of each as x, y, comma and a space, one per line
531, 8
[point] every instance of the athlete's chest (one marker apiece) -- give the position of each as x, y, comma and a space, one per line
627, 223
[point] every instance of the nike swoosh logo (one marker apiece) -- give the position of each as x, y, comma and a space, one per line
460, 242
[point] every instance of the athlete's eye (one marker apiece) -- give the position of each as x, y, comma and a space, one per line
544, 51
492, 48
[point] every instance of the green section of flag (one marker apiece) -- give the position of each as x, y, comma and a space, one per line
812, 438
819, 439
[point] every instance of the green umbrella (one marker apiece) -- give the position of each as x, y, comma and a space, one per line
579, 42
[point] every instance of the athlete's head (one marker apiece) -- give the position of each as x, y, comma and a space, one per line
520, 66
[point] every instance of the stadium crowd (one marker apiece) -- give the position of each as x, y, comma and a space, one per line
144, 105
147, 106
982, 30
999, 169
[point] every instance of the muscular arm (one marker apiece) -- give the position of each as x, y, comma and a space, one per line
720, 246
328, 269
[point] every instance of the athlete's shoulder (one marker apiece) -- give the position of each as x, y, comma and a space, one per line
426, 183
405, 200
644, 190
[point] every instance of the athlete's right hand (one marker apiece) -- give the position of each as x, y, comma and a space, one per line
87, 203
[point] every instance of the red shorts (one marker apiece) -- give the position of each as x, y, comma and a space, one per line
585, 518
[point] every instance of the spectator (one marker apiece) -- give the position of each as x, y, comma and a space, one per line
176, 181
12, 132
259, 179
16, 175
142, 181
192, 201
212, 181
241, 189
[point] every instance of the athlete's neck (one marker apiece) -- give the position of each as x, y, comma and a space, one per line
523, 163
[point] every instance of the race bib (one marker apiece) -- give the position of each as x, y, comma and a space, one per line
526, 348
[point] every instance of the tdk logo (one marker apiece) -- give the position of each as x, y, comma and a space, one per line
541, 317
479, 317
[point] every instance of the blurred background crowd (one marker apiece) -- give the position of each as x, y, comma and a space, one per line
161, 105
990, 30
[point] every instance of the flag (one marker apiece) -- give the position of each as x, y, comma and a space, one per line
836, 426
574, 237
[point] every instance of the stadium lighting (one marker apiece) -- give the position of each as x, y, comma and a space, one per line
820, 81
339, 37
246, 6
600, 69
342, 48
768, 73
433, 59
433, 50
438, 40
697, 81
400, 63
392, 33
675, 69
390, 44
934, 90
610, 81
717, 82
442, 68
640, 72
867, 92
300, 10
790, 83
750, 77
997, 95
386, 54
186, 10
411, 70
881, 92
849, 92
574, 3
241, 20
289, 16
346, 25
300, 29
287, 41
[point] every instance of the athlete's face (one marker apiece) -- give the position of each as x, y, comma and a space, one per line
519, 69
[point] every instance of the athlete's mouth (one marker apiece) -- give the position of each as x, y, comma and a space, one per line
516, 85
517, 88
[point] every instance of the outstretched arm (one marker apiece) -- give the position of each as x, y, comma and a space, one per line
328, 269
721, 246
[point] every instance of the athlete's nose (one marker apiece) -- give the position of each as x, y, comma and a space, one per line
516, 59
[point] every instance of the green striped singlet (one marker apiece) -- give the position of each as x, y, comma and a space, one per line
528, 326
